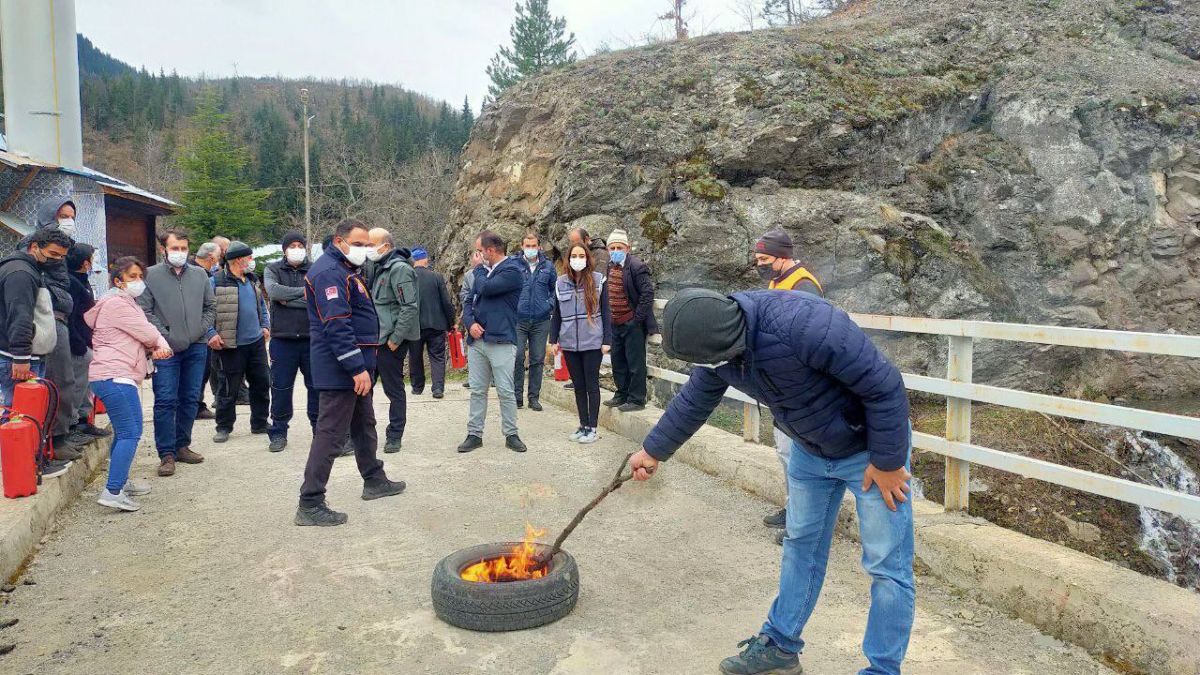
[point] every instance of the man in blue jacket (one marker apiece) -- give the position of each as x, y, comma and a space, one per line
533, 319
844, 405
343, 339
490, 315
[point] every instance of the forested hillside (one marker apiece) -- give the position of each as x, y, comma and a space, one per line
378, 151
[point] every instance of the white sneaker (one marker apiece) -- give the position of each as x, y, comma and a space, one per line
136, 488
574, 438
120, 501
589, 436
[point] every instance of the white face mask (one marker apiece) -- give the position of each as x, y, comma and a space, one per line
67, 226
357, 255
578, 264
296, 255
177, 258
135, 288
374, 254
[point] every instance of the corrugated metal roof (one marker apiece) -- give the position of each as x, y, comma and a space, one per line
21, 161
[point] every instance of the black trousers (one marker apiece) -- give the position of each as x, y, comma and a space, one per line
629, 362
289, 355
341, 412
391, 372
434, 342
585, 375
249, 362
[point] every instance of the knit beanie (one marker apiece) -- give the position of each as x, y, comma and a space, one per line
703, 326
419, 254
292, 237
775, 243
618, 237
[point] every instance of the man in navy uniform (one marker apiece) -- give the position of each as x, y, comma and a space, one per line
343, 339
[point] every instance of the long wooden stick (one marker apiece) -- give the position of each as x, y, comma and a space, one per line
617, 482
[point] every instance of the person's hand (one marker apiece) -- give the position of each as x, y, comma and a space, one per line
266, 333
161, 353
643, 465
362, 383
604, 349
392, 345
893, 484
21, 371
216, 342
476, 331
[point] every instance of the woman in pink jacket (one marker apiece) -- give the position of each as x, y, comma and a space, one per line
123, 341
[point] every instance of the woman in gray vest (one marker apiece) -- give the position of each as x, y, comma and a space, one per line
581, 328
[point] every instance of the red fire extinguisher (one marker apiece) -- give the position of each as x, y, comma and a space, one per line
20, 440
38, 399
458, 350
561, 374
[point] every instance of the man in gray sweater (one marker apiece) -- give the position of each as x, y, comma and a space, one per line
179, 302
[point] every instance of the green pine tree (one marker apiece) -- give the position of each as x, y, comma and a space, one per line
538, 43
216, 193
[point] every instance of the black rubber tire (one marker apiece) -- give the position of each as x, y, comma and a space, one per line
506, 606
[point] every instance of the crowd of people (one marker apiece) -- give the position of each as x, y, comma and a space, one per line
353, 316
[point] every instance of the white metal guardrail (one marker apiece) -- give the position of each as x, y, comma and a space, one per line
960, 392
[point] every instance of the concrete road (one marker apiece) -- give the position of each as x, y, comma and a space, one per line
212, 577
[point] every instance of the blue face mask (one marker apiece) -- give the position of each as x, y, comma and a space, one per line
618, 257
531, 253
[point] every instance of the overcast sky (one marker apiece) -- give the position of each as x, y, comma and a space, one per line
437, 48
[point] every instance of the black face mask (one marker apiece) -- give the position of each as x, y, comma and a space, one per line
767, 272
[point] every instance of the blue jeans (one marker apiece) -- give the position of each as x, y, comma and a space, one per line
125, 413
287, 356
7, 383
815, 489
177, 385
531, 334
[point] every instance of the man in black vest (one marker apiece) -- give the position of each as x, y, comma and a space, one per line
437, 315
289, 338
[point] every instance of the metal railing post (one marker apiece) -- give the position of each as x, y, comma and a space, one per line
750, 422
958, 423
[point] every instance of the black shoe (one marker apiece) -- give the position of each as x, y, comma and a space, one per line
78, 439
520, 404
319, 516
438, 394
205, 413
89, 429
535, 405
631, 407
382, 488
260, 431
220, 436
615, 402
761, 657
67, 453
569, 386
55, 467
777, 520
515, 443
277, 444
392, 445
473, 442
418, 392
466, 385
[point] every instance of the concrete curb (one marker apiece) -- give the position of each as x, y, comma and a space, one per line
1133, 622
24, 521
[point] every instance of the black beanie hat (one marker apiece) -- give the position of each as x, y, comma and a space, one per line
775, 243
292, 237
703, 326
238, 249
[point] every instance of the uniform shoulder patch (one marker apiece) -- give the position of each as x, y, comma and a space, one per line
331, 293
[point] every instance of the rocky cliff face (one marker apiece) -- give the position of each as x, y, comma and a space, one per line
1016, 160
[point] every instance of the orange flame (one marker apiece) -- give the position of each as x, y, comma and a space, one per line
521, 563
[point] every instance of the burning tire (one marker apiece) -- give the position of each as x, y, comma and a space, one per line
504, 605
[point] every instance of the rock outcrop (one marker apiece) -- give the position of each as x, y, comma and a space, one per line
1030, 160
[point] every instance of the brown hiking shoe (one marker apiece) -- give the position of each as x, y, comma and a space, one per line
187, 456
167, 467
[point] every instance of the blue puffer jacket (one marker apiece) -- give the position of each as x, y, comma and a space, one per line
537, 297
342, 323
824, 381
